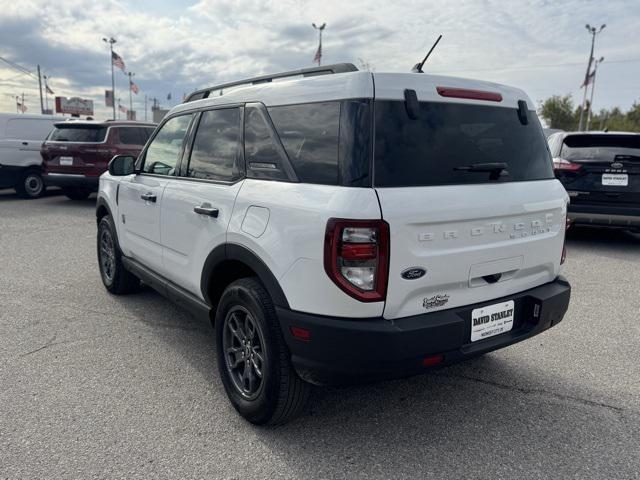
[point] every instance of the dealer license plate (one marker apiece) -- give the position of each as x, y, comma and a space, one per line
66, 161
491, 320
615, 179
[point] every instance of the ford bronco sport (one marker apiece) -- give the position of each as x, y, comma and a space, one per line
341, 226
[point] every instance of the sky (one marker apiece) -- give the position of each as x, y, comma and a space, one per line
176, 47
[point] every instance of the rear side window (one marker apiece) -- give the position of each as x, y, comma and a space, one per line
132, 136
78, 133
446, 139
600, 148
310, 135
216, 147
263, 156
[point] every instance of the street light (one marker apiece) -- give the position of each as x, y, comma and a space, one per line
318, 57
593, 87
593, 31
111, 41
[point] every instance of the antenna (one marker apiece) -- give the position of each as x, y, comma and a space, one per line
418, 67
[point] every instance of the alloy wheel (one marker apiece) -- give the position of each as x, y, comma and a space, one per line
243, 344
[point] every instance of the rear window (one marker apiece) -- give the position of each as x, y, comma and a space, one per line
600, 148
446, 138
77, 133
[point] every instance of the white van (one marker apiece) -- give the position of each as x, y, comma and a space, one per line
20, 162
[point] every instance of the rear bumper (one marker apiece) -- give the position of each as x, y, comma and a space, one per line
353, 350
605, 215
71, 180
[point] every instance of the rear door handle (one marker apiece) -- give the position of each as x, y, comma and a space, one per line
207, 210
149, 197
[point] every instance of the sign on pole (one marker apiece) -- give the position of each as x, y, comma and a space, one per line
74, 106
108, 98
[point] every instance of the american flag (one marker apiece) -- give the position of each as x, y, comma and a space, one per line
318, 56
117, 61
123, 109
21, 106
134, 88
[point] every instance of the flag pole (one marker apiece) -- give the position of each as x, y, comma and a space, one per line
111, 41
130, 97
40, 87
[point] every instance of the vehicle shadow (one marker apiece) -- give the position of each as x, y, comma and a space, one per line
8, 195
601, 237
444, 424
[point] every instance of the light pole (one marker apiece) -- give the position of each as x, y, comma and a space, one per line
593, 31
593, 87
130, 97
111, 41
318, 57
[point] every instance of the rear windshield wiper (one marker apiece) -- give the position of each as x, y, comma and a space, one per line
496, 169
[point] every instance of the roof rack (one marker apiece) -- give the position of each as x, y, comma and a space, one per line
304, 72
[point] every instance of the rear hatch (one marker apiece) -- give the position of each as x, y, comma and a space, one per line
77, 149
468, 191
601, 169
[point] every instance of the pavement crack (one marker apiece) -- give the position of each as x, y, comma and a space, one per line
530, 391
51, 342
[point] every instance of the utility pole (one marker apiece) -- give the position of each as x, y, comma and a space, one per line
40, 87
593, 31
111, 41
145, 107
318, 57
130, 95
46, 93
593, 87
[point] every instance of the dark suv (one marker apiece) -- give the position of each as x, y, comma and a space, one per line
76, 153
601, 173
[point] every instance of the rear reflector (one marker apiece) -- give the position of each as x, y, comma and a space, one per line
432, 360
469, 94
301, 334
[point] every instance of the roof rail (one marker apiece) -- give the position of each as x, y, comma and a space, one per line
304, 72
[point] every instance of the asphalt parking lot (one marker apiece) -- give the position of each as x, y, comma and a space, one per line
95, 386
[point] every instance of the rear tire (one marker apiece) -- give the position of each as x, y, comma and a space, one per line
77, 193
253, 359
114, 276
31, 185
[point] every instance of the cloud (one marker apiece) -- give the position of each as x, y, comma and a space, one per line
538, 45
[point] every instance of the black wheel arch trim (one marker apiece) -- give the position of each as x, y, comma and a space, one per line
240, 253
102, 203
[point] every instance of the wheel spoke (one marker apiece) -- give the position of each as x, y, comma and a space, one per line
235, 356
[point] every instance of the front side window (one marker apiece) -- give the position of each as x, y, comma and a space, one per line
455, 144
216, 147
310, 135
165, 150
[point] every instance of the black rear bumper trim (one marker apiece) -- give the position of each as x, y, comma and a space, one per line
352, 350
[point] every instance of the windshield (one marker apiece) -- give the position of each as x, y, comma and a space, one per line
77, 133
450, 144
600, 148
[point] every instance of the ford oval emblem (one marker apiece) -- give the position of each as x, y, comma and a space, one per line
617, 165
413, 273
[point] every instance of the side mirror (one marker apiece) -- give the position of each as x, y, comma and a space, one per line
122, 165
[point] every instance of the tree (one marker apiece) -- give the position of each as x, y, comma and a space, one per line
558, 111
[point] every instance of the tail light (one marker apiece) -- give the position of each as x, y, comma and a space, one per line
564, 243
356, 257
565, 165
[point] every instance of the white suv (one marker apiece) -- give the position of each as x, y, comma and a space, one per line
341, 226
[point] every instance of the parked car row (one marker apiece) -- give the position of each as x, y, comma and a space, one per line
37, 151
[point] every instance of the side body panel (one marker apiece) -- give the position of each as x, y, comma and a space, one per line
284, 225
